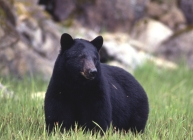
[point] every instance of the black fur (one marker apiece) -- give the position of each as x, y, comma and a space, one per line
74, 96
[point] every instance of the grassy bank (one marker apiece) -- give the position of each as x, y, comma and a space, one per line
170, 97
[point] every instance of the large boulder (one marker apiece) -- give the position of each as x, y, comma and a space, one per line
166, 11
178, 20
187, 8
178, 47
151, 34
98, 14
122, 51
29, 40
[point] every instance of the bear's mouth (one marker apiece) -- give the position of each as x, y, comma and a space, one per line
87, 76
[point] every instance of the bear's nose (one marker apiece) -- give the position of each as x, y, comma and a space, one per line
93, 72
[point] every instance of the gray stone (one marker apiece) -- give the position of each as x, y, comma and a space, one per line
150, 33
98, 14
187, 8
31, 45
124, 54
178, 47
5, 92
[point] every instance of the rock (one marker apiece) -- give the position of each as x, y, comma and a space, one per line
178, 20
59, 9
166, 11
119, 64
98, 14
124, 54
163, 63
38, 30
31, 46
178, 47
82, 32
42, 37
151, 33
187, 8
155, 10
8, 34
7, 13
119, 37
21, 60
5, 92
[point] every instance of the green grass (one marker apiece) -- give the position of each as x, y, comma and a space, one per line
170, 95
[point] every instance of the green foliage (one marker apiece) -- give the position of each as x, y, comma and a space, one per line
170, 95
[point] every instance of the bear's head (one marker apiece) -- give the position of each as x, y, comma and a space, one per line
80, 57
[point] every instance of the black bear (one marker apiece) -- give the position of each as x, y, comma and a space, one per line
84, 91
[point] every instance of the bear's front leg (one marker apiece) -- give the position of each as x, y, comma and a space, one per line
63, 120
50, 125
96, 116
59, 114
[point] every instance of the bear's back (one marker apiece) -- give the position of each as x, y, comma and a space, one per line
127, 96
118, 75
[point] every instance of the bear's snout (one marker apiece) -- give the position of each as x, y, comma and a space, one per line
89, 70
92, 72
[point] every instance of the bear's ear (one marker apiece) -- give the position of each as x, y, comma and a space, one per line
66, 42
98, 42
